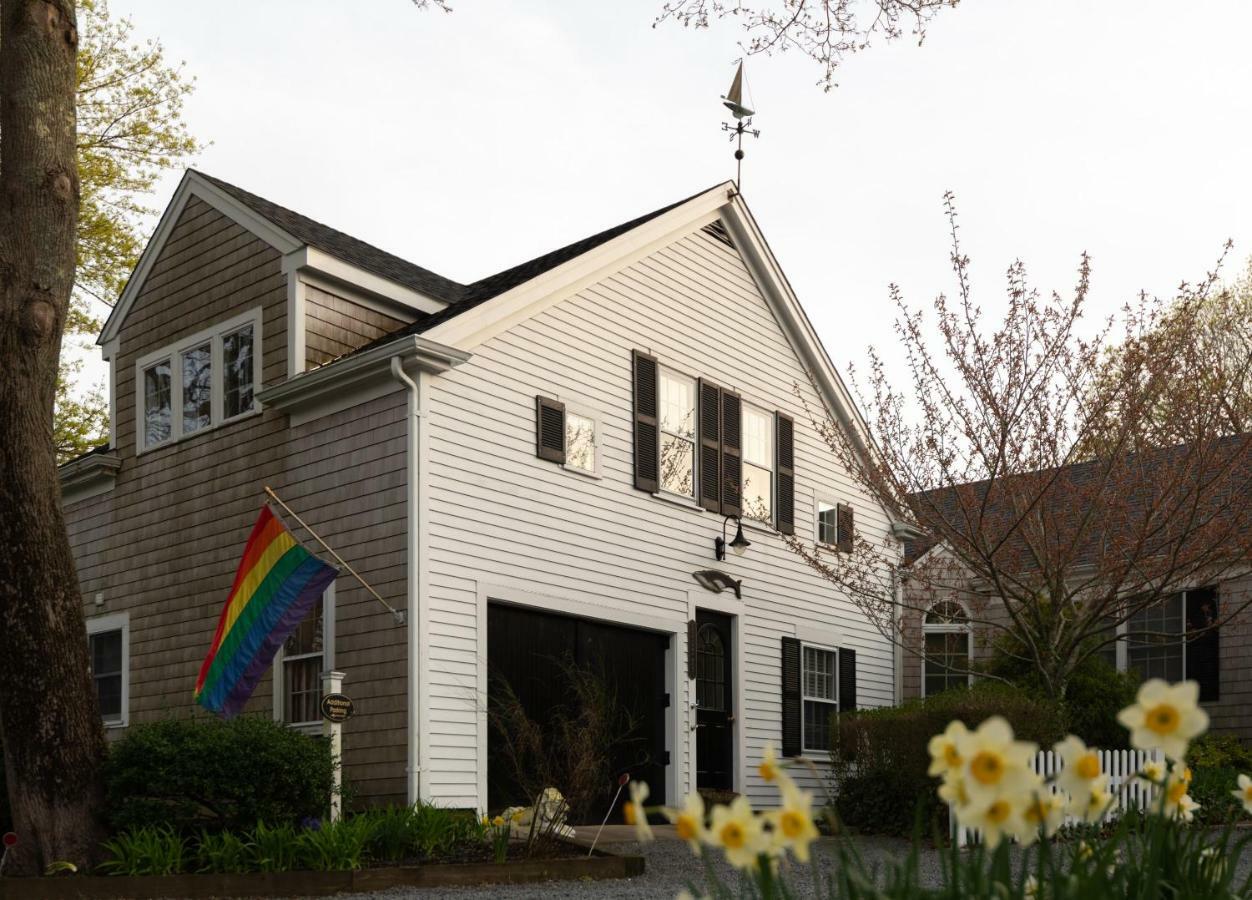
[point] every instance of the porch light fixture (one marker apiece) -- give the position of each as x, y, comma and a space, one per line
737, 546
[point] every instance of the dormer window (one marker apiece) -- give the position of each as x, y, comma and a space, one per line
203, 381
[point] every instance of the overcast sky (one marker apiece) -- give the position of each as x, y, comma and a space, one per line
472, 141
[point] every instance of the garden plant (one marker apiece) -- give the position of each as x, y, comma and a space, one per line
1026, 848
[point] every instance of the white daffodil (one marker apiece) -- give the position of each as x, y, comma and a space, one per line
1094, 802
944, 756
1042, 816
1153, 771
1082, 765
770, 768
793, 826
634, 812
996, 818
688, 822
993, 764
1165, 716
738, 832
1244, 793
1031, 887
1177, 802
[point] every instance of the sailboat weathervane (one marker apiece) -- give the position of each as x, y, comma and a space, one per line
733, 100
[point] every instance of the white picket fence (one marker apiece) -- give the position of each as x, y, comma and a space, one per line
1119, 765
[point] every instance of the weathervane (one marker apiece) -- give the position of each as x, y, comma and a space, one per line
733, 100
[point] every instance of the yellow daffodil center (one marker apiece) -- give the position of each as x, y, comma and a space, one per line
792, 823
1035, 813
951, 757
1163, 719
629, 814
1087, 766
987, 767
769, 771
498, 821
997, 812
1247, 794
685, 827
732, 835
1176, 791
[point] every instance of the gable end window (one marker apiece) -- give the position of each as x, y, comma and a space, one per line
203, 381
678, 433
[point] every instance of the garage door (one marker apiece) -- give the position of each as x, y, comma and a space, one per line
530, 651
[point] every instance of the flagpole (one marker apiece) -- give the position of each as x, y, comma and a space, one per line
398, 615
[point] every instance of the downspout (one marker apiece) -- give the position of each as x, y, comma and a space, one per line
413, 771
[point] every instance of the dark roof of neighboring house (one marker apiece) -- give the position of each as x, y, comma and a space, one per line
459, 297
1226, 461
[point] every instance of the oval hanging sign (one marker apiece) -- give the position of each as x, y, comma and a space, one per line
337, 708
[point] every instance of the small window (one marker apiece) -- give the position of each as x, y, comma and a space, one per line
157, 418
827, 523
237, 372
580, 442
819, 684
197, 388
678, 433
303, 661
1155, 646
946, 640
758, 464
107, 651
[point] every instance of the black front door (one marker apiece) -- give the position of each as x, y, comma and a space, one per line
715, 702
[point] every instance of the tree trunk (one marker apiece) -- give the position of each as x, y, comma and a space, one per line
49, 722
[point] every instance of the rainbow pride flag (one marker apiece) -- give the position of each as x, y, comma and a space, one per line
277, 584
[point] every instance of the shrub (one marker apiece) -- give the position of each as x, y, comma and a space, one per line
1215, 751
192, 774
879, 757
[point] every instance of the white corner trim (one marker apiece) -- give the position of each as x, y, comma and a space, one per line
297, 338
192, 185
116, 622
472, 327
335, 272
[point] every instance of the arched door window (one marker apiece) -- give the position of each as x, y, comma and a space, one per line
947, 638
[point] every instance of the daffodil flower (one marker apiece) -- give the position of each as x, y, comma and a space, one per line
996, 818
1042, 816
770, 769
1165, 716
738, 832
634, 812
993, 763
688, 822
1244, 793
944, 757
1081, 765
793, 826
1094, 802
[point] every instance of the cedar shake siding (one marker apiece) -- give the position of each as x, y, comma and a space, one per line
335, 325
505, 524
164, 544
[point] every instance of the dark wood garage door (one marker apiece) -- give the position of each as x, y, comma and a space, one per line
531, 650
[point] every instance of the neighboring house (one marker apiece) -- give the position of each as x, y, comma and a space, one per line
941, 642
533, 466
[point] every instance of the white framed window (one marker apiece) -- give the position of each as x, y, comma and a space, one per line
108, 650
947, 641
300, 662
758, 463
582, 441
677, 402
819, 686
1156, 645
199, 383
826, 526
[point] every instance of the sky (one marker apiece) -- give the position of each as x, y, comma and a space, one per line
470, 141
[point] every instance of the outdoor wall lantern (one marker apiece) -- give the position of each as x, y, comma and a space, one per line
738, 545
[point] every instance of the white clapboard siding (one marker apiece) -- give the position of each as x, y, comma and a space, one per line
1120, 766
498, 515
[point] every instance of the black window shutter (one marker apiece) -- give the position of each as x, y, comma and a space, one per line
710, 418
691, 648
550, 429
1204, 650
844, 523
732, 470
647, 431
785, 454
792, 711
847, 679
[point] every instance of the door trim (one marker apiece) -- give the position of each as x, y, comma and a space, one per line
727, 605
675, 629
